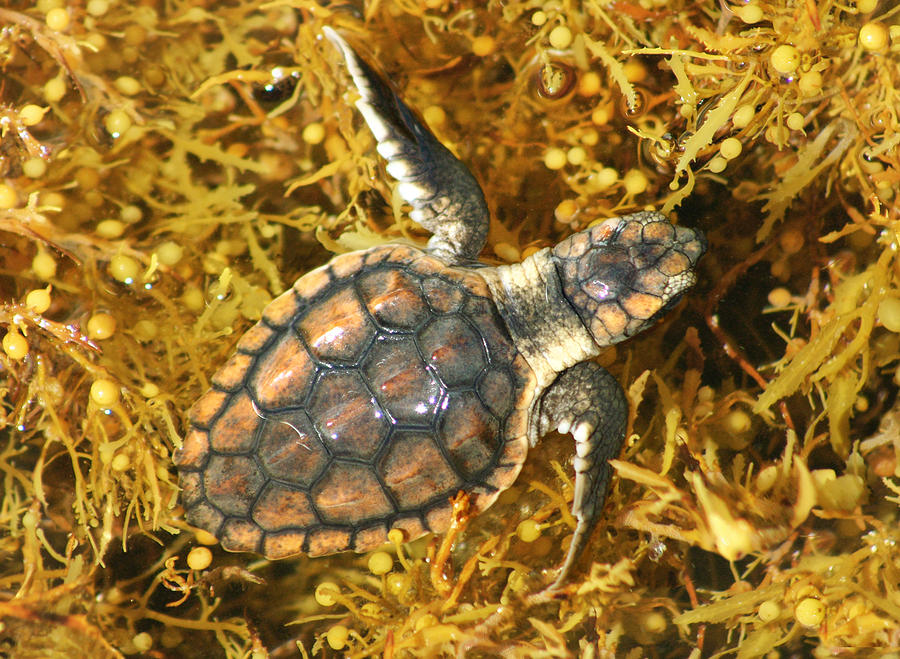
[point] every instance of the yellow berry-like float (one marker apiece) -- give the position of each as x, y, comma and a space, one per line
15, 345
555, 158
313, 133
8, 197
54, 89
810, 612
117, 122
873, 36
380, 562
635, 181
123, 268
560, 37
810, 83
101, 326
794, 121
43, 265
142, 642
127, 85
769, 611
199, 558
325, 593
785, 59
730, 148
528, 530
104, 392
889, 314
337, 637
483, 46
38, 300
32, 114
110, 229
57, 19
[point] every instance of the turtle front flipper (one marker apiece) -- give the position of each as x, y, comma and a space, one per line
445, 197
586, 401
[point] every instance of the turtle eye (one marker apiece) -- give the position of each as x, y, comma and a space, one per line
598, 290
605, 274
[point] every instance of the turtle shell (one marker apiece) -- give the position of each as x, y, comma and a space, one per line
372, 391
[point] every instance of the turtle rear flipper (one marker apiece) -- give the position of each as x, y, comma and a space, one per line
445, 197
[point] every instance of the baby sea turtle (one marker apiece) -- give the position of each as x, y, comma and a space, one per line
382, 383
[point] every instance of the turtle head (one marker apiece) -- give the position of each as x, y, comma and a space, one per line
624, 274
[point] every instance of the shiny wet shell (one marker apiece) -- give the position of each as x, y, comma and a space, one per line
371, 392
